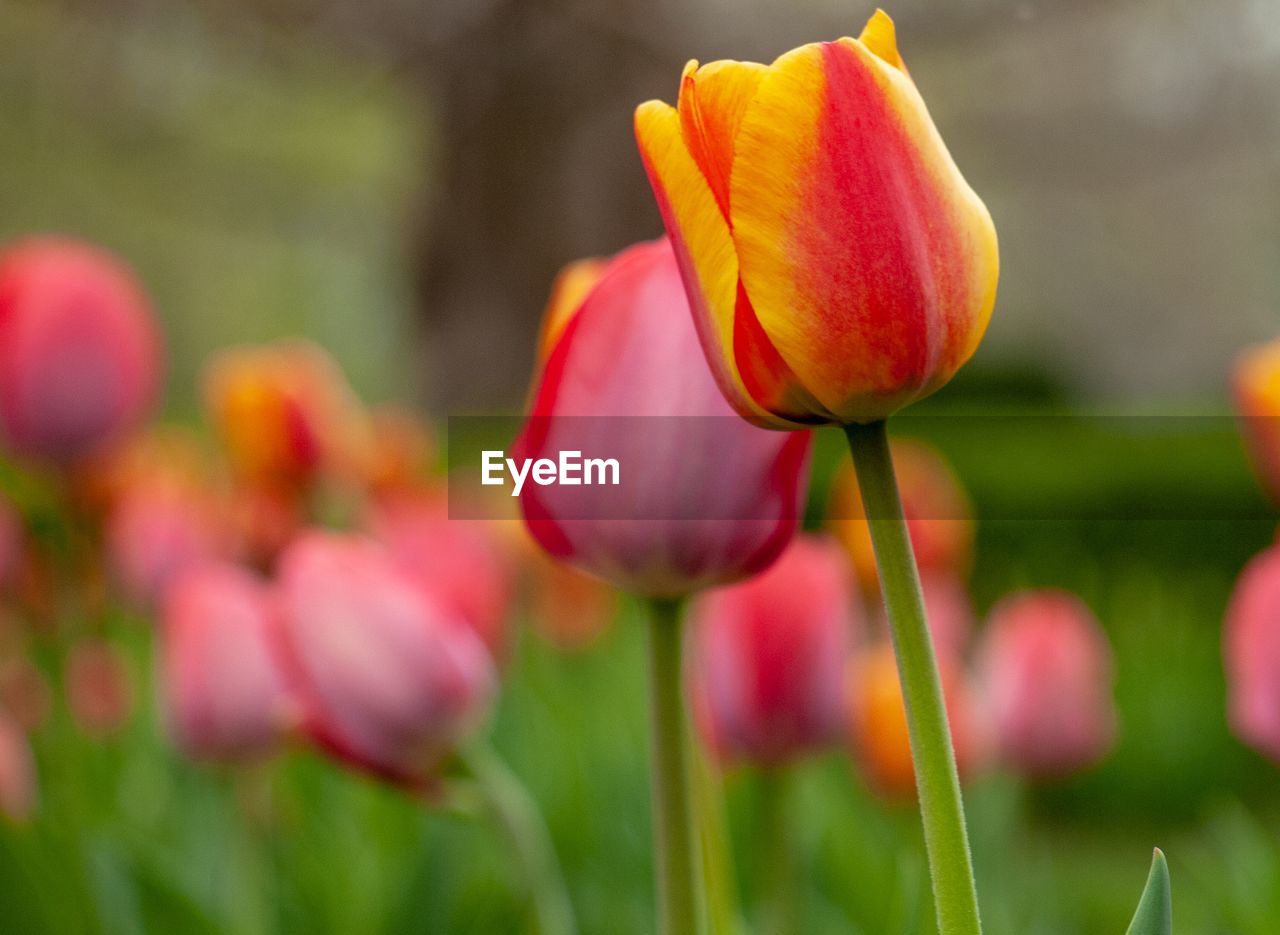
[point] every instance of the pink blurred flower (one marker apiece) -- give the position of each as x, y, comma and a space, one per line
158, 529
768, 658
1047, 673
99, 687
79, 350
18, 792
457, 561
1251, 653
226, 692
390, 679
706, 498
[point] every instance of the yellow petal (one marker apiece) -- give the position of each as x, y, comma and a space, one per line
881, 37
712, 102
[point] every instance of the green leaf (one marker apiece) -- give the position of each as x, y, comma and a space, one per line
1155, 908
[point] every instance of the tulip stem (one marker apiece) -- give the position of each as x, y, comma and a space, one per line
776, 871
937, 782
516, 812
673, 839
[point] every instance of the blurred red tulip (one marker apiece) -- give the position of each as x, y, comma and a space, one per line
99, 687
24, 692
878, 720
264, 519
389, 678
458, 561
767, 667
284, 412
708, 498
223, 674
1251, 654
939, 515
1046, 672
79, 350
158, 529
18, 792
1256, 384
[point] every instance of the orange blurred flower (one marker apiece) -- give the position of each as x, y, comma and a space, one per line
570, 608
838, 264
1256, 384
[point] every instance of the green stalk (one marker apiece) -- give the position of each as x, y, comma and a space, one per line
517, 813
937, 783
776, 872
677, 867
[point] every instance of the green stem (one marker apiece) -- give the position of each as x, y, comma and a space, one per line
673, 838
937, 783
517, 813
776, 873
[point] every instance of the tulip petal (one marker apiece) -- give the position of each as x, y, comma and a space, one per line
713, 100
870, 263
881, 37
567, 294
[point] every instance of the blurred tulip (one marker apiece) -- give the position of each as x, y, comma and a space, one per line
24, 692
399, 451
838, 264
939, 515
948, 612
11, 545
79, 350
263, 520
390, 679
457, 561
1251, 654
768, 658
226, 693
99, 687
568, 607
1046, 672
160, 454
284, 411
570, 289
1256, 384
709, 498
878, 720
18, 791
158, 529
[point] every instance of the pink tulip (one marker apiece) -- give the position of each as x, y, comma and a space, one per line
704, 498
457, 561
79, 350
18, 791
1251, 653
767, 666
156, 530
222, 669
391, 680
1046, 667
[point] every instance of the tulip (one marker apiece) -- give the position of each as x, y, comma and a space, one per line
158, 529
399, 450
227, 695
284, 412
456, 561
390, 678
839, 265
79, 350
18, 791
938, 512
768, 656
1251, 653
1046, 670
878, 720
708, 498
99, 687
1256, 385
571, 609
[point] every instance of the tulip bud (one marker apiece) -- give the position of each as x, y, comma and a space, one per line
1251, 654
222, 672
1256, 385
838, 264
456, 561
878, 720
710, 499
79, 350
390, 679
768, 657
18, 792
1046, 670
939, 515
99, 687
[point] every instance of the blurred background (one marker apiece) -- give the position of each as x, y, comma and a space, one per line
400, 181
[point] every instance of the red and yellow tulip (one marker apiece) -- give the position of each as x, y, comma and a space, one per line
838, 264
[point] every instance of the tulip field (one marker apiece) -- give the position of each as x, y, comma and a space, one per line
774, 606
